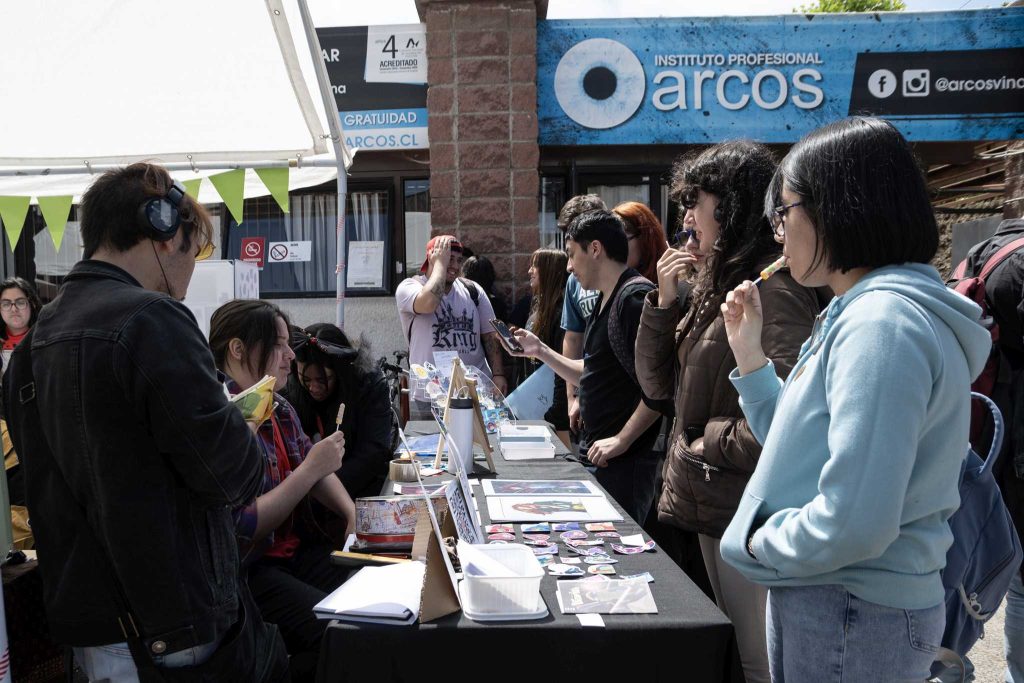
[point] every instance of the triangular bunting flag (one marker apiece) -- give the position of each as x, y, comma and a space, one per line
13, 211
55, 212
276, 180
231, 187
192, 187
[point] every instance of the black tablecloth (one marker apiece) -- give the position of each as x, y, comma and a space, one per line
688, 640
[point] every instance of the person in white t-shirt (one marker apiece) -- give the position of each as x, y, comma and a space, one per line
442, 313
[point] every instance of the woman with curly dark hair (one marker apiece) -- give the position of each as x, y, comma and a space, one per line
329, 370
686, 358
19, 308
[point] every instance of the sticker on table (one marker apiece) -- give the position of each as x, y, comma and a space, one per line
546, 550
564, 570
607, 534
573, 535
545, 560
600, 526
632, 550
537, 537
646, 576
536, 544
582, 543
599, 559
569, 560
499, 529
601, 569
501, 537
594, 577
565, 526
634, 540
542, 528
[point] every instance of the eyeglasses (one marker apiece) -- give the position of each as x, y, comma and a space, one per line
20, 304
778, 218
205, 252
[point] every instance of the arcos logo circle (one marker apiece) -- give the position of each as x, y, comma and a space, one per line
599, 83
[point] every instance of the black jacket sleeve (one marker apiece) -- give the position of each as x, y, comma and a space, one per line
369, 438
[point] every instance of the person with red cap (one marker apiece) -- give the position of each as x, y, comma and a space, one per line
442, 313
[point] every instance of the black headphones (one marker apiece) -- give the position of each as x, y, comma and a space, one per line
159, 217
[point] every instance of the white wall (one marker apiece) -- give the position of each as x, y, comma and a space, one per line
375, 318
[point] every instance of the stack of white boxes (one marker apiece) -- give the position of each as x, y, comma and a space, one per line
525, 442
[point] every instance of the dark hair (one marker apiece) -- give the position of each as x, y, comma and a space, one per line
480, 270
34, 302
642, 225
600, 226
109, 209
253, 321
326, 346
546, 305
738, 174
581, 203
864, 192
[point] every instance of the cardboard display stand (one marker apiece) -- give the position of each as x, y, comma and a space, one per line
459, 382
440, 595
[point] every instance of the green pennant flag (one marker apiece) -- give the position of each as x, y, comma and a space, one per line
231, 188
13, 211
55, 212
192, 187
276, 180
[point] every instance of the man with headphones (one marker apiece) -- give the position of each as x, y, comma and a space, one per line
133, 456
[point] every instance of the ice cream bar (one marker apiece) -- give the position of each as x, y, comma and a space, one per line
341, 415
771, 269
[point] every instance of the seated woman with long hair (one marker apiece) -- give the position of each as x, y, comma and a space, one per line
327, 372
280, 543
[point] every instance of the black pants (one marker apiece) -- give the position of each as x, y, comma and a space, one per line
286, 591
629, 479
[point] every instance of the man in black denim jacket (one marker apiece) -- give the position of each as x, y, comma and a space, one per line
141, 457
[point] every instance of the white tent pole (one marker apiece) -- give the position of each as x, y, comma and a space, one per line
172, 166
334, 123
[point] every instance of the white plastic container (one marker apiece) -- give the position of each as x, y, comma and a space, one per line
515, 592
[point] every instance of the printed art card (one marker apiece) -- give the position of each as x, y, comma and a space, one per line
550, 509
540, 487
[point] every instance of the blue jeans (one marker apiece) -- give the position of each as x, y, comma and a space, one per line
114, 663
1013, 630
821, 634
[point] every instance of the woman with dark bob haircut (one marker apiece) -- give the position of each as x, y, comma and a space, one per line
846, 517
328, 371
685, 358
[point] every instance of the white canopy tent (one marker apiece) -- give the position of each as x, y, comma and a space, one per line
200, 87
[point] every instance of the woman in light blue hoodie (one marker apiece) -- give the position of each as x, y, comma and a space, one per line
845, 517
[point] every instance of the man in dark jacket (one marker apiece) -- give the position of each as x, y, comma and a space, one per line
1004, 294
133, 455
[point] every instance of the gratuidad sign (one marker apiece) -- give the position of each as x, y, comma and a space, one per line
379, 78
937, 75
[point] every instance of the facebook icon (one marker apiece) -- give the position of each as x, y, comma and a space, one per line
882, 83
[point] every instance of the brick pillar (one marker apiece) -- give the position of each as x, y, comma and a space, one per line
482, 107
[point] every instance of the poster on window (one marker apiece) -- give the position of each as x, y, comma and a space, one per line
365, 267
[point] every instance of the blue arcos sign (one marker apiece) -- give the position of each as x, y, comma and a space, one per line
939, 76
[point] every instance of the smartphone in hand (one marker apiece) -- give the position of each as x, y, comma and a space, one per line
509, 342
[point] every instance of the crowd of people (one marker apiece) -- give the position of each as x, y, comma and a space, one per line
795, 441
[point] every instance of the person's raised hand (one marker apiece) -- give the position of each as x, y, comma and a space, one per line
673, 264
743, 322
441, 254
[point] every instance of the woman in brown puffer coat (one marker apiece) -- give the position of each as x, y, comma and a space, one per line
712, 452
